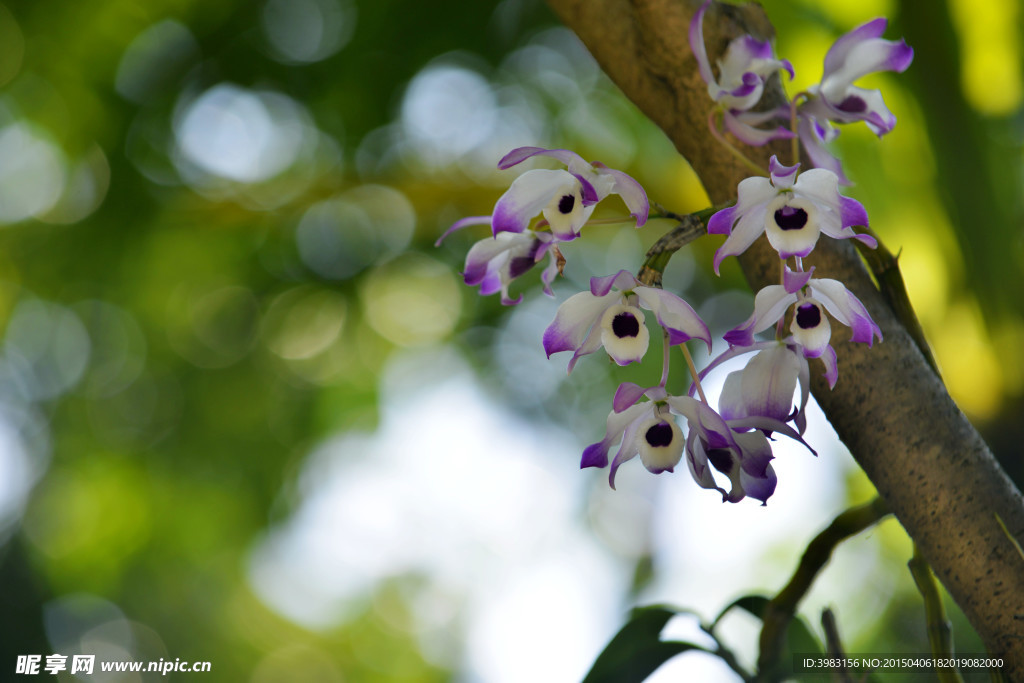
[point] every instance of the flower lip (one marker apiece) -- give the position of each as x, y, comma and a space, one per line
808, 316
790, 218
659, 434
720, 459
623, 333
853, 105
625, 324
792, 224
660, 443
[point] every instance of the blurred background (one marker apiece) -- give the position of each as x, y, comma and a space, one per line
250, 415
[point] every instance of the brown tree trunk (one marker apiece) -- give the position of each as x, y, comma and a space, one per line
889, 408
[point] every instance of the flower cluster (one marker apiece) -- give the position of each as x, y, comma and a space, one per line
748, 63
727, 447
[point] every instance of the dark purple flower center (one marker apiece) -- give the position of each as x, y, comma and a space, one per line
853, 105
520, 264
720, 458
566, 203
790, 218
808, 316
659, 435
625, 325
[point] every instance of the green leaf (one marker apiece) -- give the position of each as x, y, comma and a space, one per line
754, 604
637, 650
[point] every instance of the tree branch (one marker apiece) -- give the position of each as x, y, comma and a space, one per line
926, 460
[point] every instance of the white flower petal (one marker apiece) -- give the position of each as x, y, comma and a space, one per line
574, 320
528, 195
675, 315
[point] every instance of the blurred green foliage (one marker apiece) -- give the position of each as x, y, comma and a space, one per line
186, 318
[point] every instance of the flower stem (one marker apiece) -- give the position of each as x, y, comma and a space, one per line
713, 125
665, 348
609, 221
694, 376
780, 609
940, 634
795, 140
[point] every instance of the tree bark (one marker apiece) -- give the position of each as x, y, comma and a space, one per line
889, 408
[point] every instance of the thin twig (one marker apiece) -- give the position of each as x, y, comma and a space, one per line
940, 631
691, 226
884, 265
780, 609
834, 647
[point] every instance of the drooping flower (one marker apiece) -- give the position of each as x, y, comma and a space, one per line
647, 429
855, 54
609, 315
810, 327
494, 262
742, 456
742, 73
793, 210
765, 386
566, 198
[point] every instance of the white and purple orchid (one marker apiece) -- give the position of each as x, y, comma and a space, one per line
742, 73
566, 198
609, 315
810, 327
855, 54
742, 456
764, 387
793, 210
494, 262
646, 429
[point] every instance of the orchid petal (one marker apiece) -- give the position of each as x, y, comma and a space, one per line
767, 385
627, 395
528, 195
795, 280
697, 44
632, 194
463, 223
782, 176
747, 229
574, 320
838, 53
745, 131
831, 367
629, 448
770, 304
521, 154
847, 309
866, 57
814, 145
622, 280
596, 455
675, 315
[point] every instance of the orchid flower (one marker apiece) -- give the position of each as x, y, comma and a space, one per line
566, 198
609, 315
855, 54
646, 429
742, 456
765, 386
810, 327
793, 210
742, 73
494, 262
